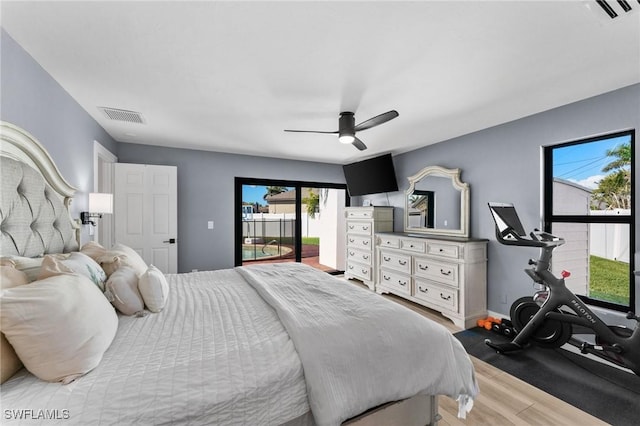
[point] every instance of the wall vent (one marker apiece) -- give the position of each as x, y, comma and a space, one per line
610, 7
122, 115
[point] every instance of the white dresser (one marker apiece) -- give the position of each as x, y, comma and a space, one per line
447, 274
362, 225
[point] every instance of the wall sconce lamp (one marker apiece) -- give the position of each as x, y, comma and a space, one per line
99, 204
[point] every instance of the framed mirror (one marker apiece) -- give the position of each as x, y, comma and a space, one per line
437, 203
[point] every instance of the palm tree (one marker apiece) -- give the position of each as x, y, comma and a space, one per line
622, 155
614, 190
273, 190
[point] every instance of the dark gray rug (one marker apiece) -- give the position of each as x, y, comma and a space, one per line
608, 393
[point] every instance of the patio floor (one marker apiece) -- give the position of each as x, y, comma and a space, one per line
310, 256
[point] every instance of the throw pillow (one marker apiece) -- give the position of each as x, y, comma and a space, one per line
154, 289
60, 326
122, 291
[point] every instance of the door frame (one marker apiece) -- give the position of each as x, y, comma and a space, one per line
103, 182
239, 182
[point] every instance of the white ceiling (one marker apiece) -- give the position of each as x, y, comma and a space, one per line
231, 76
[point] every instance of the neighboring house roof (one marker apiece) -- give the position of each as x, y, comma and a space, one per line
287, 196
573, 184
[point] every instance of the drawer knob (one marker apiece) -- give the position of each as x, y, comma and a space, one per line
402, 262
365, 256
443, 272
423, 267
386, 277
351, 226
423, 290
441, 250
366, 228
364, 271
402, 283
445, 298
386, 259
351, 240
351, 253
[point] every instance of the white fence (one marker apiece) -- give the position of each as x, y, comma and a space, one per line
265, 225
610, 240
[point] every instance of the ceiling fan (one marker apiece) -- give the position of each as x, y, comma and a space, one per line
347, 128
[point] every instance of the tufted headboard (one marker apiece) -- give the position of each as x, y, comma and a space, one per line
34, 199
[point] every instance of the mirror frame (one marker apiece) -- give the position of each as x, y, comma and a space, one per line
454, 175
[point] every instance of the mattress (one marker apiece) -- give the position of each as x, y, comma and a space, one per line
217, 354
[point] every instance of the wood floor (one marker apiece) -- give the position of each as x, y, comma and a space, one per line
503, 399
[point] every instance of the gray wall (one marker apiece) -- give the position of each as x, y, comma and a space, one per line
503, 163
500, 164
206, 192
34, 101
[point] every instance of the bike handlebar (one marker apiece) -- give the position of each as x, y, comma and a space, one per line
509, 229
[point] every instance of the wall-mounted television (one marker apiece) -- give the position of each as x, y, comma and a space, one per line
371, 176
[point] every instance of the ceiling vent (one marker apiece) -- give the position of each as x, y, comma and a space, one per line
122, 115
614, 8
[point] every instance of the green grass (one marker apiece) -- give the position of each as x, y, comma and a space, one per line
312, 241
609, 280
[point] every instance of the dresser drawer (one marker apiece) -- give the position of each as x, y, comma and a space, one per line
360, 228
433, 293
444, 250
356, 241
359, 214
360, 256
397, 282
443, 272
414, 246
358, 270
397, 261
389, 241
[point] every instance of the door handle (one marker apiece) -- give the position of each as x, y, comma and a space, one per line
170, 241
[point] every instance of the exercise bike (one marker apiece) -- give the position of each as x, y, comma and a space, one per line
549, 317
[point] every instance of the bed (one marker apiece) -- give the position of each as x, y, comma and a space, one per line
279, 344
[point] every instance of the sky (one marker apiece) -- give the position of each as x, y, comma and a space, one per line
254, 194
583, 163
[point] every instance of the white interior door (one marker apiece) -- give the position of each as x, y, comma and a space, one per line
146, 212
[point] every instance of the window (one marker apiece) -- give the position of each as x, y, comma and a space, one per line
289, 221
589, 187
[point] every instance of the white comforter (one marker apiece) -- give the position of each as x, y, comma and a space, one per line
217, 355
359, 350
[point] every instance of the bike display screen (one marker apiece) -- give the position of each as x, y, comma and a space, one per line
508, 214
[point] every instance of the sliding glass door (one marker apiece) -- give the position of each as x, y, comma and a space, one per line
289, 221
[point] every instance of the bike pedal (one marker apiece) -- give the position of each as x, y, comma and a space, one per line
589, 348
631, 315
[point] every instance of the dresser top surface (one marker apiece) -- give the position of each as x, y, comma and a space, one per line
435, 237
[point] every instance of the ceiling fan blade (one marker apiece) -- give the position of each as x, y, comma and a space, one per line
311, 131
359, 144
378, 119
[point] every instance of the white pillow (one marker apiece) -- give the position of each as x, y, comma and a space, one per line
28, 265
122, 291
93, 250
121, 255
60, 327
9, 362
75, 262
154, 289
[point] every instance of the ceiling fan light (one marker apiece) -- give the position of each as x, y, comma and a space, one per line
346, 138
